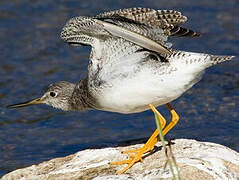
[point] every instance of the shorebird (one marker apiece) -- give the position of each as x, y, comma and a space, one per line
132, 67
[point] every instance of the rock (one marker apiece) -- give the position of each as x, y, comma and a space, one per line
196, 160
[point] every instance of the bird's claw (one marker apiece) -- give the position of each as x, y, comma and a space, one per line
133, 158
130, 162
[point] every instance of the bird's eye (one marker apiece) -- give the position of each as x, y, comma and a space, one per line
52, 94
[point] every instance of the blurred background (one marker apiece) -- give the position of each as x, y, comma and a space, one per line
32, 56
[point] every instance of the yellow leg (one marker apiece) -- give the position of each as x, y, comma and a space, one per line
149, 145
153, 138
161, 118
174, 120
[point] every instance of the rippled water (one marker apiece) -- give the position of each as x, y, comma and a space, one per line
33, 56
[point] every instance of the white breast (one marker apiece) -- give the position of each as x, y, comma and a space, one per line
130, 95
132, 86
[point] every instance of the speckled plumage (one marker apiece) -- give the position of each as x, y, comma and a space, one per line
131, 69
125, 77
124, 73
168, 20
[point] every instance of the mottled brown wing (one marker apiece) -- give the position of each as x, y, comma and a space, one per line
168, 20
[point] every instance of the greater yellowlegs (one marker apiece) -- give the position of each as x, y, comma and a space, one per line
131, 68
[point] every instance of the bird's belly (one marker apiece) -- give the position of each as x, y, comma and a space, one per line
132, 102
129, 100
134, 95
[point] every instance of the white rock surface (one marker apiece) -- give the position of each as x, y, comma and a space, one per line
196, 160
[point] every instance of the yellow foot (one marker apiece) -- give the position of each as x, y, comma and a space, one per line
132, 151
132, 160
138, 153
149, 146
145, 149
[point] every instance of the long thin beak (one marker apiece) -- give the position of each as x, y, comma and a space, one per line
28, 103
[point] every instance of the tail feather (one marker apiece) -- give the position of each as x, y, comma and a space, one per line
218, 59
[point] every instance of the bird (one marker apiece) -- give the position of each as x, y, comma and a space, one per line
132, 67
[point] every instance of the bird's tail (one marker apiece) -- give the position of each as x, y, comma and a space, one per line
218, 59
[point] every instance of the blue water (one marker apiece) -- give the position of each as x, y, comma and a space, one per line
33, 56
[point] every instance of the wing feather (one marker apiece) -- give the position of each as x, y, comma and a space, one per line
165, 19
145, 27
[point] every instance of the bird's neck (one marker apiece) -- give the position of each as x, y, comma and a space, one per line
81, 98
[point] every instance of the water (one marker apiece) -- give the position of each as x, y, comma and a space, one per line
33, 56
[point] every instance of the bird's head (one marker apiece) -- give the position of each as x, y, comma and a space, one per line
57, 95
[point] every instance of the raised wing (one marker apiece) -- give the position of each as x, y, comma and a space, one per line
87, 30
135, 37
168, 20
83, 30
117, 37
145, 27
